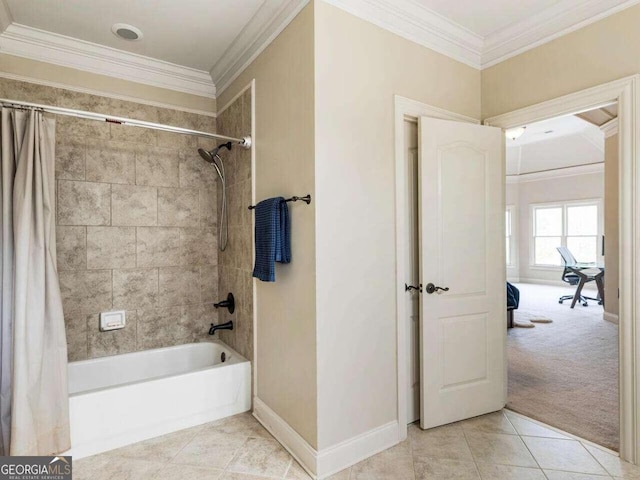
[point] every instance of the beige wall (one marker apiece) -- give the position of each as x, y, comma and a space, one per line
596, 54
136, 224
611, 219
55, 75
525, 194
359, 69
284, 165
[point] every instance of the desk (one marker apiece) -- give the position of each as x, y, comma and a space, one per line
579, 269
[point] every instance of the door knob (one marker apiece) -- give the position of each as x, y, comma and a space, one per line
411, 287
430, 288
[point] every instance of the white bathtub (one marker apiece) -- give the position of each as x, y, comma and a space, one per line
123, 399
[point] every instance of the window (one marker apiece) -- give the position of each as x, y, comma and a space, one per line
582, 232
547, 235
574, 225
509, 219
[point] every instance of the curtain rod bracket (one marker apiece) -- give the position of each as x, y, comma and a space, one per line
246, 142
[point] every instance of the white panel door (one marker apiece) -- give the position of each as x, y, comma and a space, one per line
462, 329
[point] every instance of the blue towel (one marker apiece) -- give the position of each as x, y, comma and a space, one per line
273, 237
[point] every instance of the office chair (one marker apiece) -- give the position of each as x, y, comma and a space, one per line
572, 278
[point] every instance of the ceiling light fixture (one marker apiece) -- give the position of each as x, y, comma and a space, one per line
126, 32
514, 133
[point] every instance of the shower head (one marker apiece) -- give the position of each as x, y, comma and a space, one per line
210, 155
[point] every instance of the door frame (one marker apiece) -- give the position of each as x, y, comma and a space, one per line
626, 91
407, 109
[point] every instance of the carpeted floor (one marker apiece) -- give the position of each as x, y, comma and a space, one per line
565, 373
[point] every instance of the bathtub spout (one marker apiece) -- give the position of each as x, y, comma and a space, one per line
222, 326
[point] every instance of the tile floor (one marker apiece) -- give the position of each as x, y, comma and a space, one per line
498, 446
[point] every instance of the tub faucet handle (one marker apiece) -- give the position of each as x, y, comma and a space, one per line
229, 303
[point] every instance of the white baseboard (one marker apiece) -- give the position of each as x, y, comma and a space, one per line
297, 446
610, 317
343, 455
328, 461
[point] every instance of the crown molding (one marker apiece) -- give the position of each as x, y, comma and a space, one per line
411, 20
574, 171
270, 20
547, 25
421, 25
610, 128
28, 42
6, 18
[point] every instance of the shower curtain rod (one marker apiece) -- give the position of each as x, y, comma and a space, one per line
243, 142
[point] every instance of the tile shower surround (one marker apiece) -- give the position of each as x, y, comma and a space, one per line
136, 224
235, 264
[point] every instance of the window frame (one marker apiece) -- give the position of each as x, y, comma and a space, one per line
512, 238
564, 205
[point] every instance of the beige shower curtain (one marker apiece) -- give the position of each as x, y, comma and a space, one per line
34, 405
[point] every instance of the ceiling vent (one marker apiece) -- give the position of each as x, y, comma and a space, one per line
126, 32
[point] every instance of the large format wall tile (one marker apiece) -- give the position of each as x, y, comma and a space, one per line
208, 207
198, 318
112, 342
111, 162
85, 290
71, 247
178, 207
235, 264
179, 286
158, 247
83, 203
196, 172
70, 160
162, 327
68, 127
123, 133
158, 167
209, 284
76, 329
135, 288
134, 205
107, 181
198, 246
111, 247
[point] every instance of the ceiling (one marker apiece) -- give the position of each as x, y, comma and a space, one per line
600, 116
200, 46
484, 18
558, 143
196, 36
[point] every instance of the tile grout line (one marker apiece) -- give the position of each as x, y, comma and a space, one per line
288, 467
569, 437
598, 461
473, 457
184, 446
524, 443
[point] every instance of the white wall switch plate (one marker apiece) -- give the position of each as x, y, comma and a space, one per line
112, 320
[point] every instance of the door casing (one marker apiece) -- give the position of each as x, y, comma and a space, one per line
626, 92
407, 109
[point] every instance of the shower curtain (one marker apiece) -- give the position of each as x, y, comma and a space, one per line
34, 405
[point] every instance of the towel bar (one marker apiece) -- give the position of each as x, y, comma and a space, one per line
306, 199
